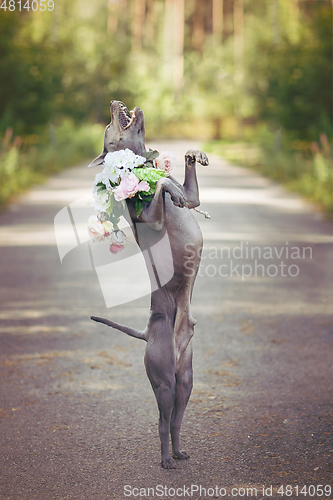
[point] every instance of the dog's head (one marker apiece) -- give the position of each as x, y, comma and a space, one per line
125, 130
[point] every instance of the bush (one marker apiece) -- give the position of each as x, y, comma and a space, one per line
29, 160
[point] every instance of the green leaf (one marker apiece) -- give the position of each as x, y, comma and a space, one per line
110, 205
139, 206
148, 174
114, 208
151, 154
147, 199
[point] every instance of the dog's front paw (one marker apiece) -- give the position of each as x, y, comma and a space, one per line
178, 199
177, 195
180, 455
202, 158
192, 156
168, 463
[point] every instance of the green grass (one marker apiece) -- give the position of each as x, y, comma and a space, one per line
30, 160
308, 173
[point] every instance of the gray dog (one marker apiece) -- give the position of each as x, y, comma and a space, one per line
168, 356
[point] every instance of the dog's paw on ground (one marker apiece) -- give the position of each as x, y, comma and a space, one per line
181, 455
168, 463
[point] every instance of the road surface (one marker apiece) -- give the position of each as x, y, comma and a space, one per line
78, 417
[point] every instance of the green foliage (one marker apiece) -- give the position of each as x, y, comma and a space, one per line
150, 157
60, 69
22, 165
114, 211
150, 175
293, 87
139, 206
209, 80
71, 63
59, 64
30, 76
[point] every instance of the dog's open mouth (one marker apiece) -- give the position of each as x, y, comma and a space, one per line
125, 117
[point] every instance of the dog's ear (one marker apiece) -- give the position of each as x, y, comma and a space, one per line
98, 161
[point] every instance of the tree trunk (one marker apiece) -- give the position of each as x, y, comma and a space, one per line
198, 36
239, 61
113, 13
138, 24
217, 18
151, 19
168, 40
178, 44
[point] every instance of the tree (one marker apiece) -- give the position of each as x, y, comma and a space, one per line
297, 94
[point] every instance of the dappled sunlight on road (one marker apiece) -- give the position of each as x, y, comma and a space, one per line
269, 196
23, 235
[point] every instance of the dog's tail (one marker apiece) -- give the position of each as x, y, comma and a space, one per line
132, 332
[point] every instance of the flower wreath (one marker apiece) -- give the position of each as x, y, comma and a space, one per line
125, 175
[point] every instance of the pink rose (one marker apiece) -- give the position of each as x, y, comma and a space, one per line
95, 229
166, 161
115, 248
143, 186
128, 186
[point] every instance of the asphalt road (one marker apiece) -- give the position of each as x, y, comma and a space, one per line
78, 419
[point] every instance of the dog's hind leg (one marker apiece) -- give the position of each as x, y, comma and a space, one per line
160, 368
165, 396
184, 383
164, 390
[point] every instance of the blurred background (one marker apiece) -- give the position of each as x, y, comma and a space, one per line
251, 81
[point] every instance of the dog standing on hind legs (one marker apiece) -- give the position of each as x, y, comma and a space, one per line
168, 356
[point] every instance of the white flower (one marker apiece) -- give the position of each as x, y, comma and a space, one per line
92, 218
121, 163
102, 177
116, 179
118, 238
112, 173
101, 200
